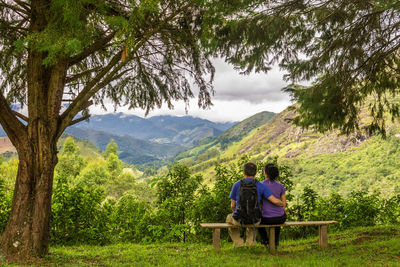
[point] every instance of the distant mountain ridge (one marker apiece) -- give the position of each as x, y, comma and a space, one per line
184, 131
144, 140
131, 150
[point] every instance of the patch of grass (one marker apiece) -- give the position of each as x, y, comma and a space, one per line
367, 246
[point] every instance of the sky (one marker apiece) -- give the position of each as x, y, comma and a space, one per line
236, 97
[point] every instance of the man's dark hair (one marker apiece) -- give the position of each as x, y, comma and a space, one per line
272, 171
250, 169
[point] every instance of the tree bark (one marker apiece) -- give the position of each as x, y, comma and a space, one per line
28, 229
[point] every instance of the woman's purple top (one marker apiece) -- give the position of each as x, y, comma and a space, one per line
268, 209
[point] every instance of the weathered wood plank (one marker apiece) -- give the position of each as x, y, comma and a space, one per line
271, 244
227, 225
216, 239
323, 236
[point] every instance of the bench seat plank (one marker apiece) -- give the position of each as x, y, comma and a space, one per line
227, 225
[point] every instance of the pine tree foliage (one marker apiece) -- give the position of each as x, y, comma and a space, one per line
137, 53
348, 50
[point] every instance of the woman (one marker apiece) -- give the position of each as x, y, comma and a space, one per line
272, 214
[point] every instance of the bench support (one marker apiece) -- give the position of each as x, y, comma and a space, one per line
322, 229
217, 238
323, 236
271, 244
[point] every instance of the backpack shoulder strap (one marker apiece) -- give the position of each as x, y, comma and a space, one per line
253, 182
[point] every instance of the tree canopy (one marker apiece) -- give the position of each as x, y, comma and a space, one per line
58, 57
137, 53
348, 50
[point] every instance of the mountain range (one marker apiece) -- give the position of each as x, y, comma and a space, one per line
184, 131
144, 140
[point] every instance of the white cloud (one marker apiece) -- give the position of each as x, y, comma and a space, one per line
221, 111
236, 97
255, 87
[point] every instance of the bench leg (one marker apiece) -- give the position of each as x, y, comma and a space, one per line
323, 236
217, 238
272, 247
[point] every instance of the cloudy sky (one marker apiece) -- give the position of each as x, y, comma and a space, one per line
236, 97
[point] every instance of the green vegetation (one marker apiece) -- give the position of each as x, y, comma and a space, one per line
58, 58
327, 163
373, 166
86, 148
364, 246
98, 202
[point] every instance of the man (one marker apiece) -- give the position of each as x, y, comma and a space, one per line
250, 170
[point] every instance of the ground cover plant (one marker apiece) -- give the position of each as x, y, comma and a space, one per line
362, 246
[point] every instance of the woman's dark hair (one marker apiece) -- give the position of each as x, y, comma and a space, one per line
272, 171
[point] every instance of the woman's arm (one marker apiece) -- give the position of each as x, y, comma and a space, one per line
283, 199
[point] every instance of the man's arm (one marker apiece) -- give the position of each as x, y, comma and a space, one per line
275, 201
233, 204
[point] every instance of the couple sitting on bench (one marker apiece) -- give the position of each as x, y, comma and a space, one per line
253, 202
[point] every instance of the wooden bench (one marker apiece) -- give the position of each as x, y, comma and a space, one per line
322, 229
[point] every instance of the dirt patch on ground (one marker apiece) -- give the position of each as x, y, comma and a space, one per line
361, 239
378, 232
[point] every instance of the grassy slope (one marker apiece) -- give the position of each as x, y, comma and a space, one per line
224, 140
373, 246
373, 166
327, 162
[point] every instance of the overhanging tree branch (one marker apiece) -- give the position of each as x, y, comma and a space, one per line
12, 126
83, 97
21, 116
79, 120
100, 43
91, 88
81, 74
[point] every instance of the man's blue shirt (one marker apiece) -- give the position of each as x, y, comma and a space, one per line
262, 191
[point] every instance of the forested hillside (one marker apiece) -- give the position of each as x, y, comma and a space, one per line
211, 147
329, 162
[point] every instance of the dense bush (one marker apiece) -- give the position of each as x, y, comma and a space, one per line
78, 215
5, 206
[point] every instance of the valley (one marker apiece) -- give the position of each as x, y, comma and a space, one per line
327, 163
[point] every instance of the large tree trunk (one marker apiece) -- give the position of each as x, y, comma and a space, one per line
28, 229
